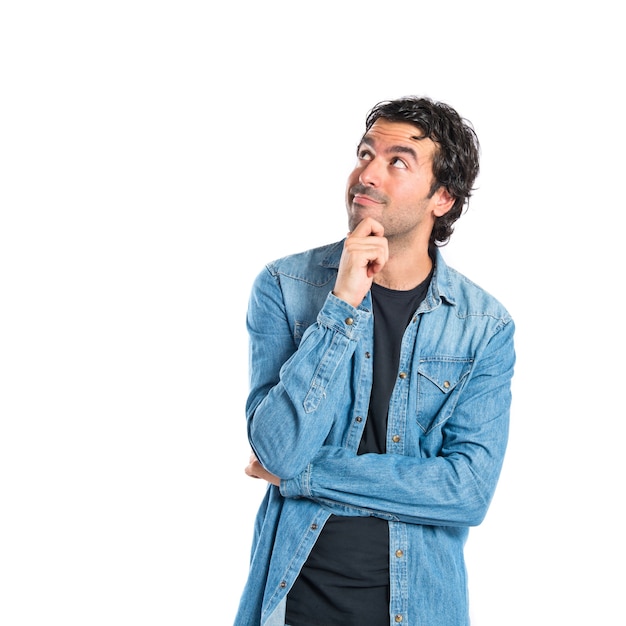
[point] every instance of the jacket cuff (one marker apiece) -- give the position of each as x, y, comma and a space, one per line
297, 487
342, 317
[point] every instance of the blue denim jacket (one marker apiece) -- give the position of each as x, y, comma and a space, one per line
310, 366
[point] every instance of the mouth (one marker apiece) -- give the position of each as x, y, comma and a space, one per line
364, 200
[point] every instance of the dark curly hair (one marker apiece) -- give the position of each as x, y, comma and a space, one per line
456, 158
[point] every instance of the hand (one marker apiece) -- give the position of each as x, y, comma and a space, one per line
365, 253
255, 470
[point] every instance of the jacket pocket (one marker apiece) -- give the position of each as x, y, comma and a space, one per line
439, 384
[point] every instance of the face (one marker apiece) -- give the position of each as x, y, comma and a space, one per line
392, 180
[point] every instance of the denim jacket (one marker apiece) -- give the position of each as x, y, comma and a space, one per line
310, 370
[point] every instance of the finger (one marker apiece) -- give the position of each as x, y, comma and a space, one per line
367, 227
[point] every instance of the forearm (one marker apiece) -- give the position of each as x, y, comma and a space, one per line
435, 491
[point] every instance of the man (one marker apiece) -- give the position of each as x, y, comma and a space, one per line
380, 393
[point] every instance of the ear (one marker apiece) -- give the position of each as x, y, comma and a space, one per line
443, 202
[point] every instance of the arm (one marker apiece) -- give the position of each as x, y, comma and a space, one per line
453, 488
297, 392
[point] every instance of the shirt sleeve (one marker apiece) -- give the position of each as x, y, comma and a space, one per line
296, 390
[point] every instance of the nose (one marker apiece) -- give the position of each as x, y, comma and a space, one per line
371, 173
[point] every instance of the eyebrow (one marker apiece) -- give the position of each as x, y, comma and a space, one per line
393, 149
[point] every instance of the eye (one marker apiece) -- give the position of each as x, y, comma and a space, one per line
364, 155
399, 163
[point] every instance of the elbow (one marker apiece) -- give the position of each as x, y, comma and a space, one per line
474, 498
476, 515
477, 505
280, 459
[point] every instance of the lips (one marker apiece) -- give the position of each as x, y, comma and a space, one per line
364, 200
364, 196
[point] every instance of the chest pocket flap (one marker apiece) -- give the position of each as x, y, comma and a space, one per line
440, 380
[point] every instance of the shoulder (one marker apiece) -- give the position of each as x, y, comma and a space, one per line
469, 298
297, 285
313, 265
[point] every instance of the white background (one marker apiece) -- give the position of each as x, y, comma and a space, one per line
154, 155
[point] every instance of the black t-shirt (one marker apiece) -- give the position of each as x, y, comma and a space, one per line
345, 580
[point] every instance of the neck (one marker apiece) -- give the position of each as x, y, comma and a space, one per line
405, 271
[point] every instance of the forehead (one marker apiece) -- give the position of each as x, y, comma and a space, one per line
386, 135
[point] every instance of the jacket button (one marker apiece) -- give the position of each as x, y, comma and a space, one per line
313, 526
367, 355
398, 619
359, 419
395, 438
399, 553
349, 321
283, 584
402, 374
